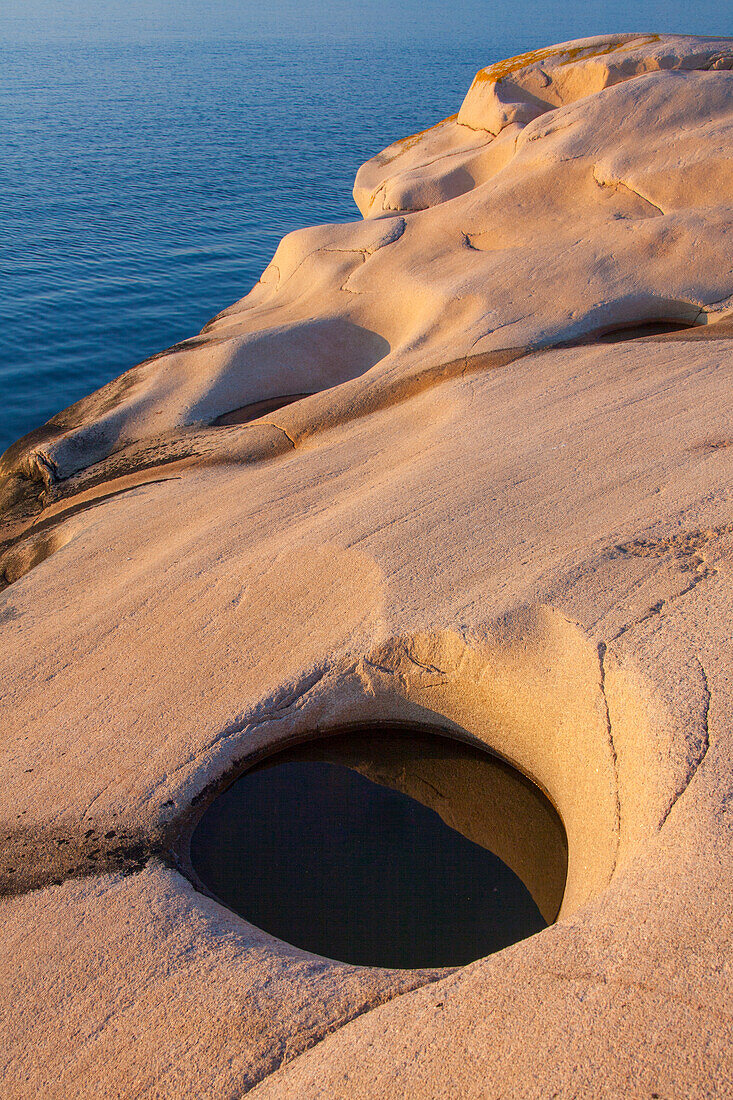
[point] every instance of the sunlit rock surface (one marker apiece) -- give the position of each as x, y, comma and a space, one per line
408, 479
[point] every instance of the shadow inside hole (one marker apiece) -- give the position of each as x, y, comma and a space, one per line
386, 847
245, 414
639, 331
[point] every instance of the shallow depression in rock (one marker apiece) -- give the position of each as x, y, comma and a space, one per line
641, 329
386, 847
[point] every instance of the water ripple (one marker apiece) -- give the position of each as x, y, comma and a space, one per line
143, 189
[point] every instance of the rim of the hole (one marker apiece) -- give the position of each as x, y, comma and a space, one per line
180, 849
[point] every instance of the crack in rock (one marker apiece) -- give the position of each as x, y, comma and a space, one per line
662, 605
280, 428
685, 547
421, 982
602, 649
615, 184
703, 750
628, 983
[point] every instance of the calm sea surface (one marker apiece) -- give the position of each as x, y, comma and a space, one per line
143, 189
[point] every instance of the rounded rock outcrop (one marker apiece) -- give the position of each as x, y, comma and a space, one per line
415, 478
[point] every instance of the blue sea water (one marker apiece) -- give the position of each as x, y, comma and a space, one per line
145, 187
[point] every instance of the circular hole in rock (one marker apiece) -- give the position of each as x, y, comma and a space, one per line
386, 847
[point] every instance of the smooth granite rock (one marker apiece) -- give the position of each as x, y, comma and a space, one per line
465, 463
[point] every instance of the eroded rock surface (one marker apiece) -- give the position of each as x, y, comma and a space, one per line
433, 469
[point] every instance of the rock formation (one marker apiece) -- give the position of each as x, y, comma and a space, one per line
467, 463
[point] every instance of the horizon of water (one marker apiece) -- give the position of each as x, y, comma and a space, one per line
145, 188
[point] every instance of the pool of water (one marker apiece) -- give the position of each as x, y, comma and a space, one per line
386, 848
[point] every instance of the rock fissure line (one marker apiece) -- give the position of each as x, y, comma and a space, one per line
617, 183
376, 666
602, 648
280, 428
718, 301
426, 668
270, 267
484, 129
498, 328
624, 598
704, 747
430, 161
345, 285
663, 604
397, 232
47, 468
283, 282
431, 979
426, 783
380, 189
380, 528
632, 983
97, 796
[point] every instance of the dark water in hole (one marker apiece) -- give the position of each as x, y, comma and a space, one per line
388, 849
